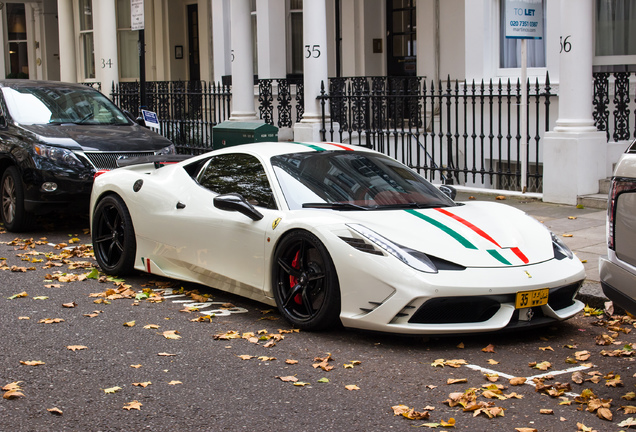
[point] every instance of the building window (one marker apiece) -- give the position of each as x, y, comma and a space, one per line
510, 49
17, 38
126, 43
295, 30
615, 31
87, 46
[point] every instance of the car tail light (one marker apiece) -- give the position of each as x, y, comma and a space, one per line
99, 172
618, 186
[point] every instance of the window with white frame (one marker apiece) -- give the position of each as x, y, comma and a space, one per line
126, 43
87, 46
615, 32
510, 49
295, 37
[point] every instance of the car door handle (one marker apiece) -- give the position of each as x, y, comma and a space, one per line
180, 205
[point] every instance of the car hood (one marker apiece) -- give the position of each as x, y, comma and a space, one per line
107, 138
477, 234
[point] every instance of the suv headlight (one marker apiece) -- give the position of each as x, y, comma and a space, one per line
415, 259
58, 155
167, 150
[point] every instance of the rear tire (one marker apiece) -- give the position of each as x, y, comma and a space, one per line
113, 236
14, 216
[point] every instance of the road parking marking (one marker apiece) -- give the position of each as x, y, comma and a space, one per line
201, 305
529, 380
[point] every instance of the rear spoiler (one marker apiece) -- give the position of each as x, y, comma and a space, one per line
158, 160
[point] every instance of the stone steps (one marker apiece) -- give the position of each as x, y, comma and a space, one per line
597, 201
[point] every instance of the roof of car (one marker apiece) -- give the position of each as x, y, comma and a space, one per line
269, 149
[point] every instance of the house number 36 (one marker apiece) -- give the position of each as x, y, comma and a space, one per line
565, 45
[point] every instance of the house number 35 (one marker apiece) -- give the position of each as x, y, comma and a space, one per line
313, 51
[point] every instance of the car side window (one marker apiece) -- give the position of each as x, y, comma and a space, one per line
238, 173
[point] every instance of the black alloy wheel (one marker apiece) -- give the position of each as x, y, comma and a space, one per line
113, 236
14, 216
305, 282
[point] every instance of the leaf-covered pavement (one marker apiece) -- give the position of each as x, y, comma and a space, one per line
85, 352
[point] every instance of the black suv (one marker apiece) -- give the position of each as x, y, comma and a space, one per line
54, 137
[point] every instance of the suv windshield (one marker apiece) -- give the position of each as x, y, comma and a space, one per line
346, 180
57, 105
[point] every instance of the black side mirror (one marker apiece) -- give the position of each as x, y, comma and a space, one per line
449, 191
235, 202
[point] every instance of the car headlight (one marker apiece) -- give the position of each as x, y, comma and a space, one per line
167, 150
58, 155
412, 258
561, 250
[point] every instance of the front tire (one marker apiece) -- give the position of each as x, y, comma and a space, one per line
14, 216
113, 236
305, 282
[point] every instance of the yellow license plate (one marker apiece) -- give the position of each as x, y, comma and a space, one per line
532, 298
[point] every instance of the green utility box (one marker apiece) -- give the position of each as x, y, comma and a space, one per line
231, 133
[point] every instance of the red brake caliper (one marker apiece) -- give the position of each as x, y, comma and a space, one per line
292, 279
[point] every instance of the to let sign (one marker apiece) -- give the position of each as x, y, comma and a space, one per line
524, 19
136, 14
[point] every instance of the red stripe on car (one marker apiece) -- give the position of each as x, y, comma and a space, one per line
520, 254
341, 146
469, 225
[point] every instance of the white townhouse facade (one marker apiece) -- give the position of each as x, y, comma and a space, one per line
313, 40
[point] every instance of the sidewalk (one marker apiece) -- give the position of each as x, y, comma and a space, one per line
587, 227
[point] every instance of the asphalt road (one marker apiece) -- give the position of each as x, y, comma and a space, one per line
203, 385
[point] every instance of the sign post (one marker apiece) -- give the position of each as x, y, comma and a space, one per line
137, 23
524, 20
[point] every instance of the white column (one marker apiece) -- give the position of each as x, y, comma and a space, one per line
3, 51
270, 31
575, 152
242, 64
221, 50
105, 34
315, 69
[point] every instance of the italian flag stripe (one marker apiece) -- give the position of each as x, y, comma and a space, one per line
520, 254
340, 146
469, 225
461, 239
315, 147
498, 257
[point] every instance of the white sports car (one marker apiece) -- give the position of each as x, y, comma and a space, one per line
332, 233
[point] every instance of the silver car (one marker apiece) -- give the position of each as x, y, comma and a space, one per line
618, 268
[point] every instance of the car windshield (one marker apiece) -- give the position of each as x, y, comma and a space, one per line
346, 180
59, 105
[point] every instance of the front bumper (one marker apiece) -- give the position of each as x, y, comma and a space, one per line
619, 284
72, 189
382, 299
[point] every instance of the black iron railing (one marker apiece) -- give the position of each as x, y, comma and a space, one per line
281, 101
615, 105
450, 131
187, 110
